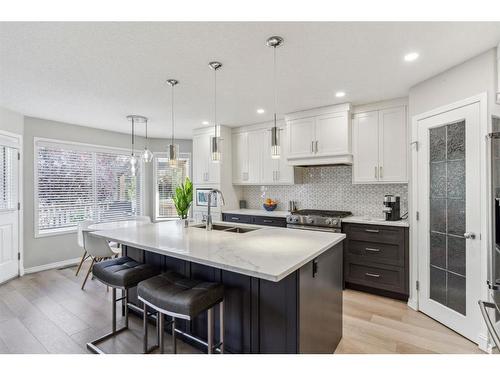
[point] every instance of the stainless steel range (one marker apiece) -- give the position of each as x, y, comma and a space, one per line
320, 220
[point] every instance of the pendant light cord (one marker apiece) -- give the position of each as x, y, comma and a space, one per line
132, 137
275, 88
215, 102
172, 102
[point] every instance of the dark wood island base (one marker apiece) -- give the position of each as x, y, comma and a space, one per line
302, 313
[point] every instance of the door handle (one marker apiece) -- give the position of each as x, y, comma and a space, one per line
267, 221
380, 173
372, 250
312, 147
372, 274
469, 235
235, 218
372, 230
316, 145
376, 172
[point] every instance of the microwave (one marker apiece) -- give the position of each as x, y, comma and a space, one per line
202, 197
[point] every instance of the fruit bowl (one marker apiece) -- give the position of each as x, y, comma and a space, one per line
270, 207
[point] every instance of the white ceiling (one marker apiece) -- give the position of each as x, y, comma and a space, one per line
94, 74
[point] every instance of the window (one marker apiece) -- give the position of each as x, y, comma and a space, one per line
8, 178
167, 178
76, 182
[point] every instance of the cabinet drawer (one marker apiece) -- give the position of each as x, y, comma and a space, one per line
235, 218
375, 252
375, 233
385, 277
271, 221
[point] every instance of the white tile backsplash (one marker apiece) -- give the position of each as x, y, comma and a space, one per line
329, 188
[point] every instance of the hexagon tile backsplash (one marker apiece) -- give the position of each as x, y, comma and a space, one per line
329, 188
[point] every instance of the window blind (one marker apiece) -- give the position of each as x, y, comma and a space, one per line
167, 179
77, 182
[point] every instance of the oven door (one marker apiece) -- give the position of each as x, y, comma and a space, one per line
310, 227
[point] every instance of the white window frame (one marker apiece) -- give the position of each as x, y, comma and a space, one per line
84, 147
182, 155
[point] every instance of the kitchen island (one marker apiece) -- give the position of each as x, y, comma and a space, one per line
283, 287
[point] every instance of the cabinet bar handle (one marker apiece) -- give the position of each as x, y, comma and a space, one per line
380, 173
235, 218
372, 274
316, 143
267, 221
312, 146
376, 172
278, 175
372, 250
372, 230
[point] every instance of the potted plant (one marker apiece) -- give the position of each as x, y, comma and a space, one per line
183, 198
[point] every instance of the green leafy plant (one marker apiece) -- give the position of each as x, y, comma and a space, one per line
183, 198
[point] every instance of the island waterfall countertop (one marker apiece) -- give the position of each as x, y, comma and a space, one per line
267, 253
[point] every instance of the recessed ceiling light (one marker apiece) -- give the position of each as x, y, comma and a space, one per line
260, 111
412, 56
205, 123
340, 94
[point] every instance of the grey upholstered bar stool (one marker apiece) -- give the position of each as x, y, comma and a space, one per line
119, 273
179, 297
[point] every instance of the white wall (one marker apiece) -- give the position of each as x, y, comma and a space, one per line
11, 121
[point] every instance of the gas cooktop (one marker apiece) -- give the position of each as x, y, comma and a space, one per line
323, 213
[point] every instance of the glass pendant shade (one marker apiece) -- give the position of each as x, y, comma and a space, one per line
216, 154
133, 164
173, 154
147, 155
215, 143
275, 42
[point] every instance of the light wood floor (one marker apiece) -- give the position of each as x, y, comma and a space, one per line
47, 312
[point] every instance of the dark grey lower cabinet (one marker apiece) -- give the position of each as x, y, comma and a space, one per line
299, 314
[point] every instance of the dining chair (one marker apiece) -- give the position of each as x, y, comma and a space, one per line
79, 237
98, 249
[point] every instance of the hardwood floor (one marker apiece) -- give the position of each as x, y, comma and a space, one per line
47, 312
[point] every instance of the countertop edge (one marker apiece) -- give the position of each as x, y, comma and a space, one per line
273, 278
368, 221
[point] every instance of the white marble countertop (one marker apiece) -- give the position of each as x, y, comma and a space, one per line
375, 221
267, 253
114, 225
256, 212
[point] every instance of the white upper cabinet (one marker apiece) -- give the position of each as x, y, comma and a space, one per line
365, 147
252, 161
380, 146
301, 137
204, 170
319, 136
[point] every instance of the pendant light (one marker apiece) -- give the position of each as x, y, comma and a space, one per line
275, 42
173, 149
133, 159
147, 155
216, 151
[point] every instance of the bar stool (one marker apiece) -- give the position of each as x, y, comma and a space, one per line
119, 273
179, 297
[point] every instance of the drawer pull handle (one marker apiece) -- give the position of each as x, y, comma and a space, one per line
235, 218
372, 230
372, 274
372, 250
268, 221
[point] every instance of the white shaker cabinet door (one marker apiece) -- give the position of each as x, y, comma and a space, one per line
240, 157
332, 134
214, 167
301, 137
393, 145
201, 153
285, 174
365, 147
269, 165
254, 156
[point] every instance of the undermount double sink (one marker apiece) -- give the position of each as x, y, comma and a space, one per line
227, 228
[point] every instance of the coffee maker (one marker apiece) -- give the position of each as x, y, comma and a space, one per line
391, 208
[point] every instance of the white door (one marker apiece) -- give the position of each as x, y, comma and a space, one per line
332, 134
365, 149
393, 145
9, 213
301, 137
449, 269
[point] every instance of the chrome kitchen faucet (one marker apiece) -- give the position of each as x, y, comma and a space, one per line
209, 213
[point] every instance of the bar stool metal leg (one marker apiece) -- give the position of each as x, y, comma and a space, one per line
221, 326
126, 304
161, 320
113, 310
210, 330
174, 338
145, 329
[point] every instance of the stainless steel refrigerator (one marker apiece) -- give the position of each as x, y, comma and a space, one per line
491, 309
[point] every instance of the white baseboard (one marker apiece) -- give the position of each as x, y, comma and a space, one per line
44, 267
484, 344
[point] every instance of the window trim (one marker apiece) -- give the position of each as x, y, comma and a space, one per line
84, 147
156, 201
